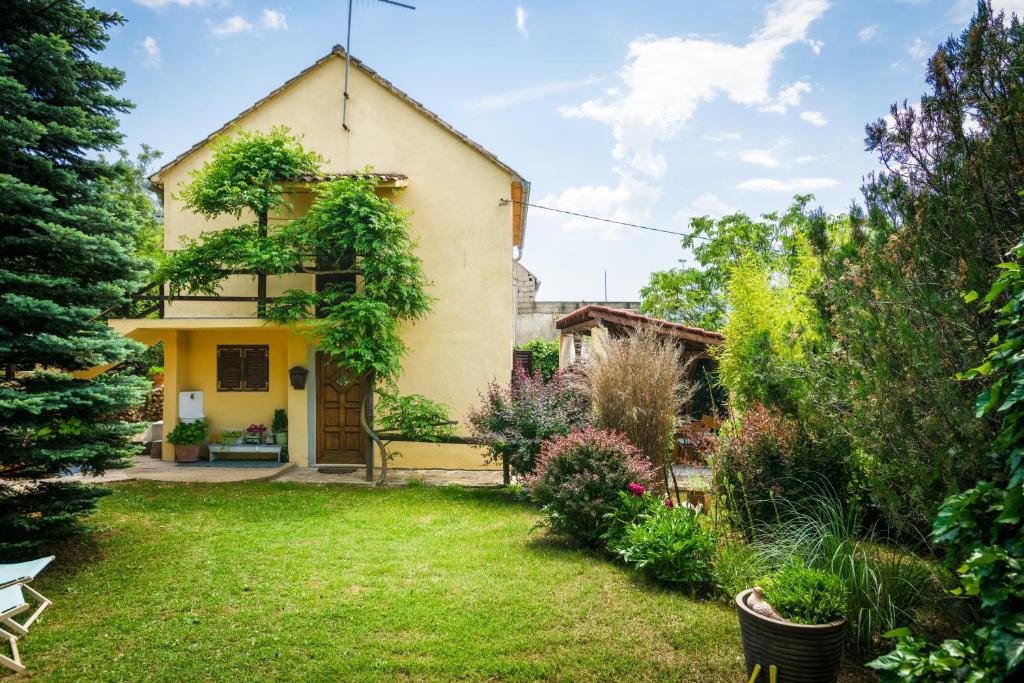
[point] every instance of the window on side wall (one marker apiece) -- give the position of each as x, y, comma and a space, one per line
243, 368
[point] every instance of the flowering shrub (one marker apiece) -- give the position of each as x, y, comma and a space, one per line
513, 422
765, 458
579, 477
665, 542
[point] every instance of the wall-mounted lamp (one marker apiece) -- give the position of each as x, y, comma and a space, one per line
298, 377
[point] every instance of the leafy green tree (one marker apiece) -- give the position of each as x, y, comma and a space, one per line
696, 294
67, 255
981, 528
350, 232
135, 199
937, 221
545, 356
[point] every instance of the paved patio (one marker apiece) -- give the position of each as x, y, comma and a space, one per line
154, 469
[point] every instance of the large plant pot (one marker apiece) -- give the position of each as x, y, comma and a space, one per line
801, 653
157, 379
281, 438
189, 453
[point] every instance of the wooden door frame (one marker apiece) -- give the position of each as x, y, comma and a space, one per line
313, 410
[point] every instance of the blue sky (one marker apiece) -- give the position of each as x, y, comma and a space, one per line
650, 111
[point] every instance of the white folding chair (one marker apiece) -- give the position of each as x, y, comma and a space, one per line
14, 584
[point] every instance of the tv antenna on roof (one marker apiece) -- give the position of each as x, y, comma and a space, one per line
348, 55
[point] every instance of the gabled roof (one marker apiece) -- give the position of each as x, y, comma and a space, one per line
618, 316
338, 51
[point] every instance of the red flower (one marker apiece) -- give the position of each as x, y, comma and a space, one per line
636, 489
669, 503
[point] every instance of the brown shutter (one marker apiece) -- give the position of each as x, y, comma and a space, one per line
257, 368
522, 359
229, 368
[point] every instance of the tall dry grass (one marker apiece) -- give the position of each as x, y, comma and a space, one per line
638, 386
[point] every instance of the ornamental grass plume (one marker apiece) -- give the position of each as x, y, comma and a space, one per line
638, 387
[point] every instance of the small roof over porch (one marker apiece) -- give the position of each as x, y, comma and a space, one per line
619, 321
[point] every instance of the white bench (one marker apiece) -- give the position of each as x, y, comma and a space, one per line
216, 448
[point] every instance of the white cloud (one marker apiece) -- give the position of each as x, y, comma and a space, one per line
521, 15
917, 49
868, 33
723, 137
157, 4
815, 118
666, 79
152, 51
232, 25
707, 204
511, 98
789, 96
788, 185
765, 157
806, 159
631, 201
273, 20
760, 157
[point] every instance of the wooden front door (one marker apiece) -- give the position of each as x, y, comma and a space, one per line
339, 438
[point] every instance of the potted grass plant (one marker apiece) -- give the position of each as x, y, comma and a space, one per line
187, 437
279, 427
794, 621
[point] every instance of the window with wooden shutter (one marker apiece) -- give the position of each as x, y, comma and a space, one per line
257, 368
243, 368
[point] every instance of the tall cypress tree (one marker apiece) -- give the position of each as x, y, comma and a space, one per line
66, 255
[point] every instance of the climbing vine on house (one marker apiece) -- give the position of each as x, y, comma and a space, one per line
349, 231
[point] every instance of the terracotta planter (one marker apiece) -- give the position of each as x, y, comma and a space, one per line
157, 378
802, 653
189, 453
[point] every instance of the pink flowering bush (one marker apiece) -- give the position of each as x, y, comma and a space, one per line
579, 477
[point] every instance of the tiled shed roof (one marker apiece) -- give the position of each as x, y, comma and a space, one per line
621, 316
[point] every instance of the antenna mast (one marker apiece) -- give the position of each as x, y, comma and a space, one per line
348, 55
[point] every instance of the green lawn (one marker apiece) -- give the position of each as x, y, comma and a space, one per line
285, 582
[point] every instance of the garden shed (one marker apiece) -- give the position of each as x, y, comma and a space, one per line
585, 329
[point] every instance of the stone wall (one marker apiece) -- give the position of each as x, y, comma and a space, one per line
536, 319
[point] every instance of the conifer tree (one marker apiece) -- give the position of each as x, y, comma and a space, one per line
66, 255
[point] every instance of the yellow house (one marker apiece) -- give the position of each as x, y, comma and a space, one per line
466, 228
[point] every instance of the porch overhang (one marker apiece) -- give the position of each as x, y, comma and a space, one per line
153, 327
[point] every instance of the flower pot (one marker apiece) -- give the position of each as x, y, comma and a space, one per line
189, 453
802, 653
281, 438
157, 379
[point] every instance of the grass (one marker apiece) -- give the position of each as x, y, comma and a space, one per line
260, 581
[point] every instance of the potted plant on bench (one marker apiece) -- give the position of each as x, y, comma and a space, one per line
232, 437
187, 437
794, 623
279, 426
254, 433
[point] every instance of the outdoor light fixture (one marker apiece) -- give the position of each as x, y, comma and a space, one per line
298, 377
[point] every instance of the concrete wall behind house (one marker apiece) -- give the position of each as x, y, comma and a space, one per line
536, 319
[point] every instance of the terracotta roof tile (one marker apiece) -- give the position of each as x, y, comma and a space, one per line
625, 317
